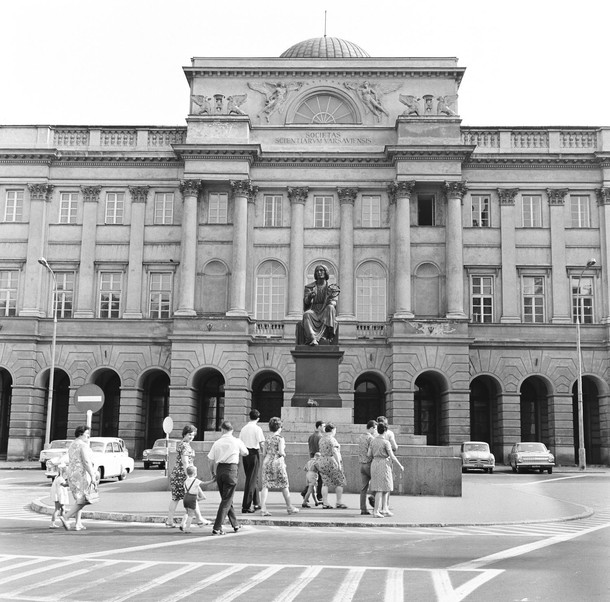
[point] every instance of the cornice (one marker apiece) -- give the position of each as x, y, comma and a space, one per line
429, 153
221, 152
323, 160
532, 162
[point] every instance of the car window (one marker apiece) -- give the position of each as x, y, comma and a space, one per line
59, 444
97, 446
159, 443
532, 447
481, 447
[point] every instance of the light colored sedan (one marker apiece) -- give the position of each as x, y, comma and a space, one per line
110, 458
56, 449
476, 454
531, 455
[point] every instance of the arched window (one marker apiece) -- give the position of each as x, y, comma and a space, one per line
324, 108
427, 291
427, 409
213, 296
268, 396
211, 393
369, 399
371, 293
271, 291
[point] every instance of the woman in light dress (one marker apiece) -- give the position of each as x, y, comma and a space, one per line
330, 466
382, 479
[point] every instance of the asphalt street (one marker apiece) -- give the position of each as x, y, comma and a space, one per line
555, 561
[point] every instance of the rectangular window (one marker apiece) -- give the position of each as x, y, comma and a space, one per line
582, 300
425, 210
110, 294
371, 211
68, 203
533, 299
482, 300
8, 292
164, 208
13, 211
160, 298
273, 210
579, 211
65, 294
115, 207
532, 211
218, 208
322, 211
480, 211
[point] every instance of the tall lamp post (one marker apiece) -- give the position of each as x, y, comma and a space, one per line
582, 455
47, 438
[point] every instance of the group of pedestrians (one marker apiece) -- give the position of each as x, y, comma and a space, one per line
324, 472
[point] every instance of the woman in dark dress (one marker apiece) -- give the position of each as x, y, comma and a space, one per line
185, 458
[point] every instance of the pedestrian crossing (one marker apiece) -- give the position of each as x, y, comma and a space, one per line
71, 579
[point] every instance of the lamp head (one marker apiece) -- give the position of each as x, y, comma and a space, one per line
591, 262
42, 261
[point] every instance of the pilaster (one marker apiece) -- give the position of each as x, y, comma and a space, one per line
507, 428
510, 311
297, 198
347, 198
561, 300
454, 259
603, 201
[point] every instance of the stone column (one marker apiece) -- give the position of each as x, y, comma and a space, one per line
454, 258
400, 194
130, 426
561, 427
297, 197
560, 287
85, 306
188, 253
507, 424
347, 197
510, 306
241, 192
34, 273
603, 200
133, 308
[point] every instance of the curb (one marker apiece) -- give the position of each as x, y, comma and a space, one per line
40, 508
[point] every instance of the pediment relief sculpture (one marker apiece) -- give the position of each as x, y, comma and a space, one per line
218, 104
371, 96
445, 105
276, 94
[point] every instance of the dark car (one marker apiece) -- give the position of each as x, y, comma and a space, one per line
157, 456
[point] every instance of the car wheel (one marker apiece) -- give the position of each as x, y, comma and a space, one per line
519, 470
463, 470
490, 470
550, 470
43, 465
162, 465
146, 465
100, 474
123, 475
514, 468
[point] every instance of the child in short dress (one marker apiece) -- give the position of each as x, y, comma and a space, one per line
311, 469
59, 495
192, 486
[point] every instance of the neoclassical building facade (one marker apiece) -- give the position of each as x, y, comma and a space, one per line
179, 256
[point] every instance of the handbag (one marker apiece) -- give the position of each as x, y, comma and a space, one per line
92, 495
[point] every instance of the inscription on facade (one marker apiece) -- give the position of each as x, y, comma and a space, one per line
323, 138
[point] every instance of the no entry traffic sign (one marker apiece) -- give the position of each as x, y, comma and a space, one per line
89, 398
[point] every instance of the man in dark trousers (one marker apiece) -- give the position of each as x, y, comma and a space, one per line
253, 437
314, 446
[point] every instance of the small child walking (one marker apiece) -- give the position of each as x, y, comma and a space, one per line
192, 494
59, 495
311, 469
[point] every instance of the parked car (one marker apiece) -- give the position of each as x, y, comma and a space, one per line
55, 449
476, 454
110, 458
531, 455
157, 456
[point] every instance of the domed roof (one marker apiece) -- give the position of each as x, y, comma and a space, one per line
324, 48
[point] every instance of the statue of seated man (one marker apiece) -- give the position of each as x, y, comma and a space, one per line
319, 305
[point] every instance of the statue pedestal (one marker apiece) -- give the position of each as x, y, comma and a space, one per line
317, 375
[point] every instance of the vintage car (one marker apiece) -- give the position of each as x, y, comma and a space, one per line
476, 454
110, 458
531, 455
55, 449
157, 456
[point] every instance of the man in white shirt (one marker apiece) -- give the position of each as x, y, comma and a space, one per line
224, 461
253, 437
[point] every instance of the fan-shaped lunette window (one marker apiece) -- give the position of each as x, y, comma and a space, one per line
324, 108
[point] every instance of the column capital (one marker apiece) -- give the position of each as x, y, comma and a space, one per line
402, 189
507, 195
298, 195
243, 188
347, 195
557, 196
603, 195
91, 194
190, 187
455, 190
40, 192
139, 194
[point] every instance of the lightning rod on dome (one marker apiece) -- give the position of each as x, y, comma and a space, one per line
324, 23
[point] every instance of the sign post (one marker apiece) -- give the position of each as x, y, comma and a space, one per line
168, 427
89, 399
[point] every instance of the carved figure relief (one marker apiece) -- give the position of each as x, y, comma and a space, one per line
445, 105
275, 95
371, 96
412, 104
232, 106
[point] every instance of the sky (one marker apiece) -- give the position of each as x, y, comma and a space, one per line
119, 62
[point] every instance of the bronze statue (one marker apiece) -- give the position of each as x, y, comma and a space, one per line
319, 303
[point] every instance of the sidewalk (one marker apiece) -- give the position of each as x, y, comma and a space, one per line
486, 500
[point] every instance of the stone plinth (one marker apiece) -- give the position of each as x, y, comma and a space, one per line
309, 416
317, 375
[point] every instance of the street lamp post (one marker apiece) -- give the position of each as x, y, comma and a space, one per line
47, 438
582, 454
